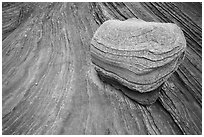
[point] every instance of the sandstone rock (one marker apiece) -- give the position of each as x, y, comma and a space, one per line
140, 55
50, 87
142, 98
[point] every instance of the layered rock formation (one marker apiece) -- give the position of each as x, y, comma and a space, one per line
50, 87
139, 55
14, 14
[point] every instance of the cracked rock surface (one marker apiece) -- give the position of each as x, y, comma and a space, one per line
50, 86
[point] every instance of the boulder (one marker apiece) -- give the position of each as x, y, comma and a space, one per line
139, 55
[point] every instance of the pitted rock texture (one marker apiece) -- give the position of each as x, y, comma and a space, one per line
140, 55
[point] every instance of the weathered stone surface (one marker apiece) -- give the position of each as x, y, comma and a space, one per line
140, 55
49, 85
14, 14
146, 98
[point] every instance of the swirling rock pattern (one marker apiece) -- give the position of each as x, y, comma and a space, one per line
140, 55
14, 14
49, 85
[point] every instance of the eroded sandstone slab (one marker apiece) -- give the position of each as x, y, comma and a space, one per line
139, 55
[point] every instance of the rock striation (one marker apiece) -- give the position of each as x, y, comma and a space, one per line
50, 87
139, 55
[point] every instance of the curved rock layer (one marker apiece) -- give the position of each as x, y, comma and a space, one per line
141, 55
15, 14
146, 98
49, 86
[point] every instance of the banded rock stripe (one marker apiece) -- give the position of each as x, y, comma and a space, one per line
14, 14
140, 55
